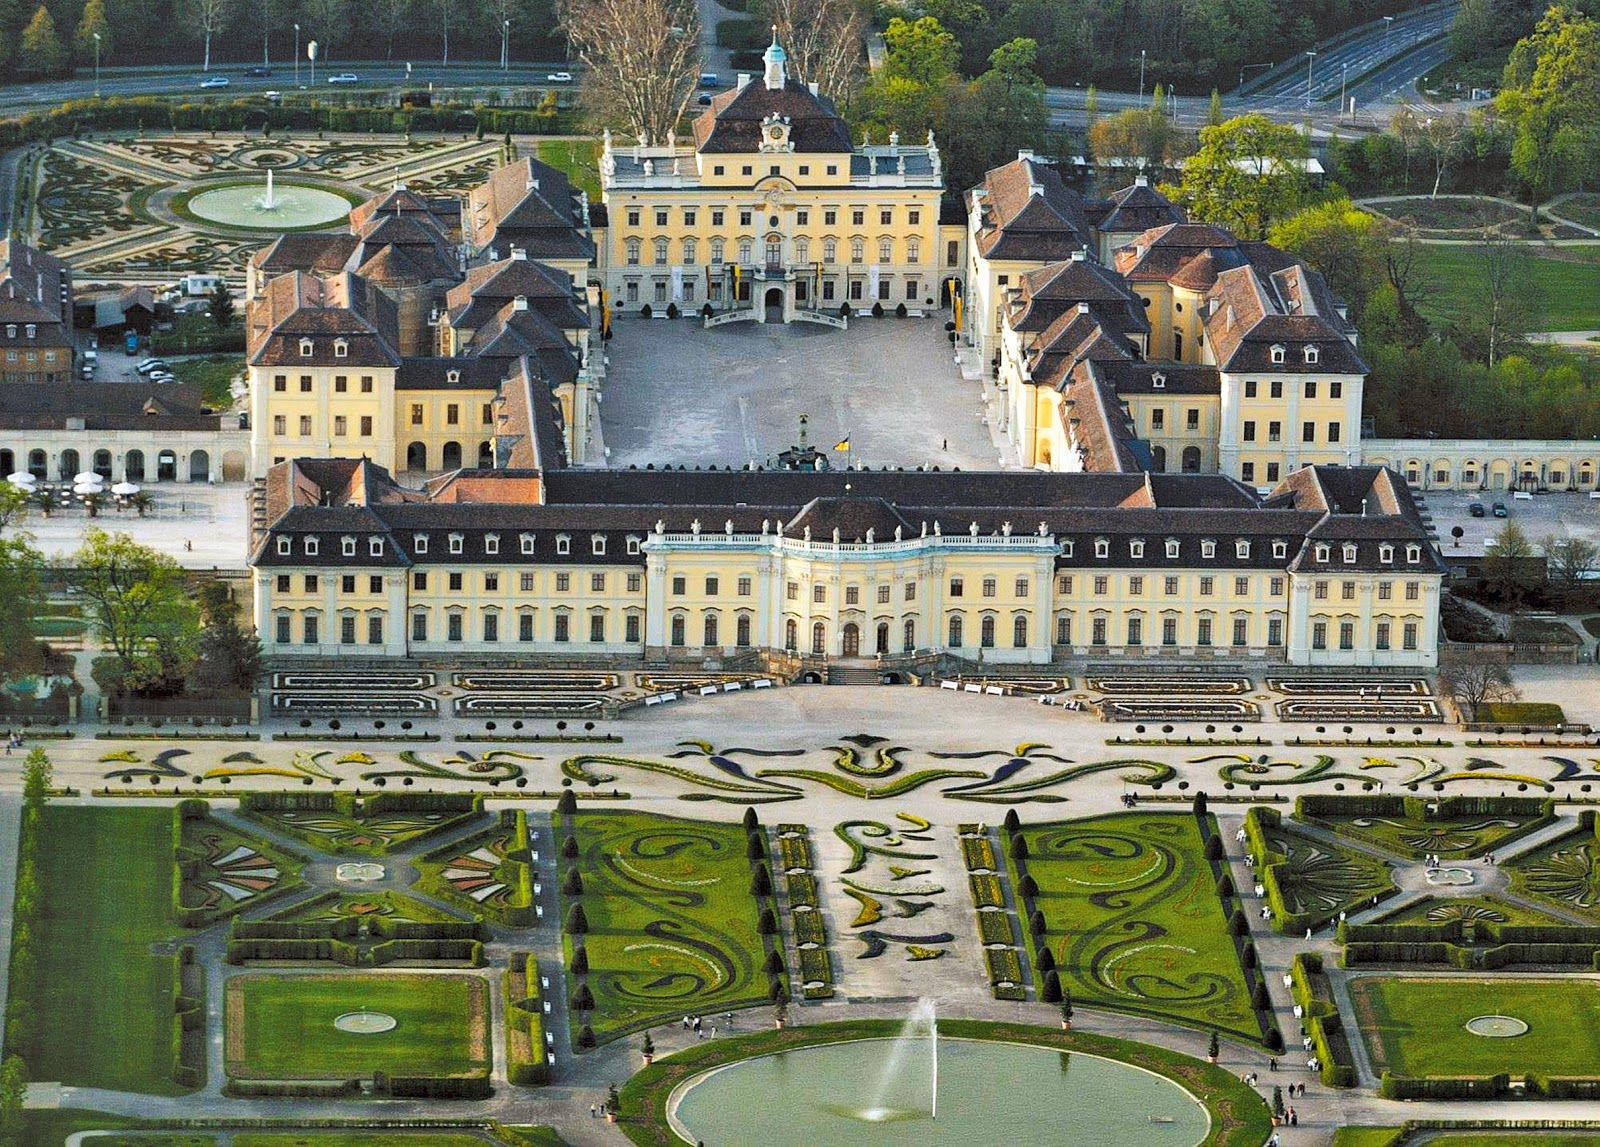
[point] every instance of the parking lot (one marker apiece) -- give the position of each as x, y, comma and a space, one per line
1558, 515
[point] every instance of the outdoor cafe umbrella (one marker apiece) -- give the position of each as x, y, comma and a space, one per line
88, 478
124, 489
21, 478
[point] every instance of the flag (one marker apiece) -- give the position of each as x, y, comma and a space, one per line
845, 445
605, 315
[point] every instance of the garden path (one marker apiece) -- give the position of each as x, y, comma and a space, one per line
10, 827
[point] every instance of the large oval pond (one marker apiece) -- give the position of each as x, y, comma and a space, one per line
845, 1094
292, 205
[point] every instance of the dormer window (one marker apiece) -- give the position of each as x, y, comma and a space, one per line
491, 543
597, 545
1349, 554
1208, 548
452, 376
1280, 549
1279, 354
1413, 553
419, 543
306, 348
527, 543
633, 544
1241, 548
375, 547
311, 547
1322, 553
1173, 547
32, 330
1158, 381
341, 349
347, 547
457, 542
284, 546
1386, 554
1102, 548
563, 544
1136, 548
1313, 355
1066, 548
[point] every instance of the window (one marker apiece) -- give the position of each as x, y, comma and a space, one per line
1381, 640
1241, 630
1136, 548
1272, 471
1241, 548
563, 627
1101, 584
525, 582
1098, 631
957, 587
1319, 590
366, 384
311, 625
1158, 420
456, 543
491, 583
563, 544
419, 580
913, 251
911, 590
1241, 587
1169, 631
563, 583
1333, 432
1064, 630
597, 545
340, 384
955, 631
527, 543
280, 383
452, 414
1413, 554
1020, 589
852, 595
1274, 431
635, 581
986, 633
791, 591
1191, 420
375, 547
1250, 431
1276, 587
819, 593
830, 216
713, 586
745, 247
306, 348
858, 250
1347, 635
885, 250
305, 426
1170, 586
830, 250
491, 626
419, 626
305, 384
311, 552
1208, 585
455, 582
1276, 389
347, 583
1349, 553
858, 216
1413, 590
491, 543
989, 587
1208, 548
802, 217
525, 626
741, 587
1136, 586
1322, 553
283, 634
632, 247
1308, 432
1336, 390
1102, 548
661, 252
744, 213
1278, 355
597, 627
741, 631
1249, 389
1280, 549
883, 594
1135, 631
1275, 631
717, 246
1347, 591
1203, 631
1173, 547
631, 628
1319, 635
802, 250
1408, 639
1312, 356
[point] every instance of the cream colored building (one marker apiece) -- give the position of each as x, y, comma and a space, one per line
773, 211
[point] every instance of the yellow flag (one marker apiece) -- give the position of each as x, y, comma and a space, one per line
845, 445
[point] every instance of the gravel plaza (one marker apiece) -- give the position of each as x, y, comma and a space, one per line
677, 393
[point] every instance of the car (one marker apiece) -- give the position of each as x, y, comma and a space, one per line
161, 377
558, 78
704, 100
1499, 509
258, 71
1476, 509
214, 82
145, 366
710, 80
345, 78
274, 96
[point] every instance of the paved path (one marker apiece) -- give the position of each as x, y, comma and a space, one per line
10, 829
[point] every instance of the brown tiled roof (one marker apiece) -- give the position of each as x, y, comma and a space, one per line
1134, 209
490, 287
298, 306
1029, 214
28, 273
1097, 422
107, 406
401, 201
1046, 294
531, 206
313, 254
528, 431
733, 121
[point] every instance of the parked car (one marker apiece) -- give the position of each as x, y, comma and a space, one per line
160, 377
1499, 509
1476, 509
145, 366
345, 78
258, 71
214, 82
704, 99
558, 78
710, 80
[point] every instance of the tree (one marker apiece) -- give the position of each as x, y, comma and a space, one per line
1214, 109
1478, 678
13, 1090
642, 58
20, 653
1571, 560
1248, 172
1348, 245
41, 53
136, 598
580, 961
1141, 138
992, 117
388, 18
921, 51
94, 23
221, 300
1443, 137
208, 17
228, 658
1551, 93
823, 39
1506, 567
37, 776
1498, 320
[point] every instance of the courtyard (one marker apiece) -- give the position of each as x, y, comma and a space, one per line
678, 394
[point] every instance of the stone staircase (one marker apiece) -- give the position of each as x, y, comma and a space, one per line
853, 675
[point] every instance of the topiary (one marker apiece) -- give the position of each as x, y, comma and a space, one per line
760, 881
1019, 847
577, 921
572, 883
1050, 991
672, 310
767, 923
569, 847
1214, 1047
1214, 847
586, 1036
583, 999
1036, 923
774, 963
776, 992
1028, 886
755, 847
568, 804
751, 820
1237, 924
1199, 804
1248, 958
900, 311
1260, 999
1046, 961
1225, 885
645, 311
877, 310
580, 961
1012, 821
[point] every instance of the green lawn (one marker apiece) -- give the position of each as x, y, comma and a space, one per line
578, 158
1567, 287
1564, 873
1487, 908
1133, 919
393, 906
215, 373
357, 1139
1490, 1139
281, 1027
1416, 1027
1521, 712
105, 1004
1451, 838
672, 923
1366, 1137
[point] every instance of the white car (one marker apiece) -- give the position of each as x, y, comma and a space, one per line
147, 365
345, 78
558, 78
214, 82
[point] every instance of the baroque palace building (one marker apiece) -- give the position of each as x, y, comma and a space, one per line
773, 214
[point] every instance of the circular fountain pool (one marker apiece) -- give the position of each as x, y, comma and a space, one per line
842, 1094
293, 205
1443, 877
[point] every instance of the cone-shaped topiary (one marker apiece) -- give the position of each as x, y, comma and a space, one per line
583, 999
1036, 924
1237, 924
568, 804
569, 847
767, 924
1214, 847
1214, 1048
776, 992
761, 881
1248, 956
648, 1047
1028, 886
1199, 804
586, 1036
1260, 999
1225, 886
1012, 821
1050, 991
751, 820
755, 846
1046, 961
774, 963
577, 922
580, 961
1019, 847
1274, 1040
572, 883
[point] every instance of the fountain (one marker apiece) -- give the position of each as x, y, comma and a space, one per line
241, 205
922, 1026
268, 203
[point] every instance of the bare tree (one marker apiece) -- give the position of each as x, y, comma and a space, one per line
1442, 139
1480, 678
825, 41
1503, 309
1571, 560
388, 18
210, 17
642, 58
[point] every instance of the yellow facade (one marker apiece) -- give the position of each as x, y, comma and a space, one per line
322, 412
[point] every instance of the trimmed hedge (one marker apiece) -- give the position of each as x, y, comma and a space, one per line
1394, 1086
1321, 1020
189, 1016
447, 941
526, 1065
517, 909
816, 966
1497, 944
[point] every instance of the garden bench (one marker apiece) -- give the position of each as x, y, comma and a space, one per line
652, 700
708, 690
763, 684
665, 697
951, 685
994, 691
732, 686
971, 688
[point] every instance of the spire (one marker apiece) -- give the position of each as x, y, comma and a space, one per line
775, 59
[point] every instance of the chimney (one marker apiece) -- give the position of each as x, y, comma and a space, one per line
520, 303
519, 255
813, 86
1141, 181
1083, 308
743, 82
1079, 255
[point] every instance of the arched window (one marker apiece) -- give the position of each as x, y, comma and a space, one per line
909, 637
791, 635
819, 638
986, 632
742, 631
886, 250
633, 252
678, 626
858, 250
1019, 631
1191, 459
689, 252
717, 246
955, 631
710, 631
661, 252
830, 250
745, 247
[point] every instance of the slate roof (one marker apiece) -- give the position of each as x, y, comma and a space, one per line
29, 279
1044, 295
531, 206
733, 121
107, 406
1028, 213
1134, 209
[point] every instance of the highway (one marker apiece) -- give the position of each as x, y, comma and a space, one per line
1348, 62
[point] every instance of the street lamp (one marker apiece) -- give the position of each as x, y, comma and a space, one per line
97, 65
266, 32
1388, 22
1311, 59
311, 54
1344, 67
297, 55
505, 43
1141, 75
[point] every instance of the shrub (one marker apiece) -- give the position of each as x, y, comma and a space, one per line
761, 881
672, 310
755, 846
569, 847
577, 922
1214, 847
767, 924
877, 310
583, 999
580, 961
774, 963
900, 311
1199, 804
1214, 1046
1225, 886
1036, 925
1248, 957
1028, 887
1019, 847
751, 821
1260, 999
572, 883
1046, 961
776, 992
586, 1036
568, 804
1050, 991
1012, 820
1237, 924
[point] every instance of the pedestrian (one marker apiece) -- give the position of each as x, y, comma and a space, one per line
594, 1111
713, 1031
944, 444
1308, 931
1294, 1118
1272, 1064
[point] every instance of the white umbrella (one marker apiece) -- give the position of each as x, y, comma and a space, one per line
86, 488
88, 477
124, 489
21, 478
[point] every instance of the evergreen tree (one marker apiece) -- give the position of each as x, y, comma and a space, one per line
36, 776
221, 306
83, 40
41, 53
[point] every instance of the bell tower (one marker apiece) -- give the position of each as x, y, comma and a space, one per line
775, 60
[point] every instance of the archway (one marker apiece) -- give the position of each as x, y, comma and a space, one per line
452, 456
485, 455
852, 640
133, 466
166, 466
882, 645
417, 456
199, 466
1191, 459
774, 305
8, 462
38, 465
102, 464
1158, 459
68, 465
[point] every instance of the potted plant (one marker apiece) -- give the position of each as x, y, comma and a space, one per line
780, 1013
1066, 1009
613, 1103
647, 1050
1214, 1048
